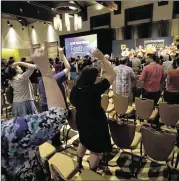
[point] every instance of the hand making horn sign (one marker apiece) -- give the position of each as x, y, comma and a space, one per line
23, 161
40, 58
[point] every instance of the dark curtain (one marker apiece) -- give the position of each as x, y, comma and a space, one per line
160, 28
148, 30
144, 30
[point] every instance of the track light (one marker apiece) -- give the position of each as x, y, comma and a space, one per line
8, 23
32, 27
44, 23
20, 19
11, 26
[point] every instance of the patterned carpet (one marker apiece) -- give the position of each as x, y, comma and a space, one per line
120, 164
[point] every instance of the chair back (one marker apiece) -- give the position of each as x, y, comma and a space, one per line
2, 100
105, 101
55, 173
70, 84
44, 164
139, 84
144, 108
169, 114
122, 135
120, 103
72, 118
157, 145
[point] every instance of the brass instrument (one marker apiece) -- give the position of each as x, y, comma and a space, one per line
176, 40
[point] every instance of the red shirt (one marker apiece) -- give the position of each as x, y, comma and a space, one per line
152, 76
173, 76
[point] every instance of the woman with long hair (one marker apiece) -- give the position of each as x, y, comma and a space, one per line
90, 117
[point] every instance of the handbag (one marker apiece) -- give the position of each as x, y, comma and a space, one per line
9, 94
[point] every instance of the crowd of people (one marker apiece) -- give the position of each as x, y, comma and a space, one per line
29, 127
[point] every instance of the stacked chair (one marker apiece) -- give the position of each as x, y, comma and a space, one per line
61, 167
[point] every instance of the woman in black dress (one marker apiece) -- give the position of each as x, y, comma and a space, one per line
90, 117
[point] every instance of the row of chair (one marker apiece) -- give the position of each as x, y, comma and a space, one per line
158, 146
144, 108
59, 166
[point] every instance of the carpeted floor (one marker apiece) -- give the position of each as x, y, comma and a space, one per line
120, 164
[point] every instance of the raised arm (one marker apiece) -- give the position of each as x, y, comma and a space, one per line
53, 93
65, 61
110, 74
27, 65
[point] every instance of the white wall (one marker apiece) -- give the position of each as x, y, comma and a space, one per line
14, 37
42, 33
19, 38
159, 13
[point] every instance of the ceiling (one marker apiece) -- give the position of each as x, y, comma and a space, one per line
82, 4
32, 11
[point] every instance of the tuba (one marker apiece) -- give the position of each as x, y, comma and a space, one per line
176, 40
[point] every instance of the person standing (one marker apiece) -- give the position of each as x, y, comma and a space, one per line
21, 136
167, 64
23, 96
91, 119
74, 69
136, 65
60, 77
171, 95
125, 80
152, 76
